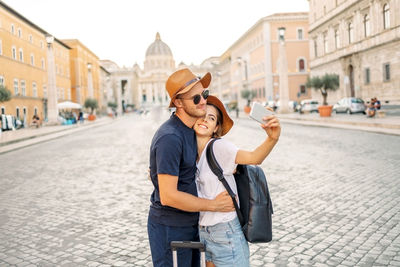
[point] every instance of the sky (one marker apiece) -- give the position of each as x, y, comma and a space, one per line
122, 30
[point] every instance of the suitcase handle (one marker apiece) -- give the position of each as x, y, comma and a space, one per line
187, 244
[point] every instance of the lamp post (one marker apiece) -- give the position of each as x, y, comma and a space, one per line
90, 80
283, 73
52, 109
219, 75
243, 77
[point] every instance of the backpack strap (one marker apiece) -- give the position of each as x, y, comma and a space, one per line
217, 170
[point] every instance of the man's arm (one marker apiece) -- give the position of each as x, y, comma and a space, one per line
171, 196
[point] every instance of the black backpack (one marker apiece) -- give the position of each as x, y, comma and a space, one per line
255, 209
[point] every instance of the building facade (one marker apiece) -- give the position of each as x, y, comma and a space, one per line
84, 68
250, 64
23, 66
360, 41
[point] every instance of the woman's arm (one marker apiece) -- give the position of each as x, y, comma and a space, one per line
257, 156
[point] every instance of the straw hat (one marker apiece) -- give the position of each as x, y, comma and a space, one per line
227, 122
182, 81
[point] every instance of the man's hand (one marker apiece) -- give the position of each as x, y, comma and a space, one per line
223, 202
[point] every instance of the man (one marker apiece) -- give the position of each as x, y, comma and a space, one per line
173, 214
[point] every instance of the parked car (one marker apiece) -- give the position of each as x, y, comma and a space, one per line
350, 105
308, 105
291, 104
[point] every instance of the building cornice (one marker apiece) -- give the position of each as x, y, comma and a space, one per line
30, 23
336, 13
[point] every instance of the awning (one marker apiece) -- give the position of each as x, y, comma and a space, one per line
69, 105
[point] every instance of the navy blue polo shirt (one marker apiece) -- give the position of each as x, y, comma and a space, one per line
173, 151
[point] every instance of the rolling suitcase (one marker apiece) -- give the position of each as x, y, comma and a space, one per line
188, 244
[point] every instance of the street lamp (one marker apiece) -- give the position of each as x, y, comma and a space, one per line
90, 80
283, 73
52, 109
243, 77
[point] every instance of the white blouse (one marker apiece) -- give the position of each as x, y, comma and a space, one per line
208, 185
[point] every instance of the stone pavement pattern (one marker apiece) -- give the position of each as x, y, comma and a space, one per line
82, 200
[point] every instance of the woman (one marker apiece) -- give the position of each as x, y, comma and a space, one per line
221, 232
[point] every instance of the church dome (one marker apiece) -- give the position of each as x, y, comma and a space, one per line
158, 48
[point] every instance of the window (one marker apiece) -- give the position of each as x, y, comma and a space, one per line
367, 30
16, 82
32, 60
24, 111
19, 33
386, 16
17, 112
44, 91
325, 43
30, 38
300, 34
35, 111
303, 89
337, 39
69, 93
34, 89
3, 110
12, 29
351, 32
62, 93
21, 55
386, 72
41, 44
14, 52
1, 80
42, 63
302, 67
23, 88
367, 76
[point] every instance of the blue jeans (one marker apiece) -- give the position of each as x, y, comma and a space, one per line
225, 244
160, 237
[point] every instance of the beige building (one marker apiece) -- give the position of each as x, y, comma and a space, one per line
251, 62
23, 66
360, 41
85, 73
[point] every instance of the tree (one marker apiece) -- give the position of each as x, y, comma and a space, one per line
328, 82
112, 105
5, 94
92, 104
247, 94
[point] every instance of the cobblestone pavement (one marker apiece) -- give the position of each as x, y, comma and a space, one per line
82, 200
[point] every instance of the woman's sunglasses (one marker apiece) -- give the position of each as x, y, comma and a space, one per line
197, 98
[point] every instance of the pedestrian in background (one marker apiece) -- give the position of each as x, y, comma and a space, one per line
371, 109
173, 214
221, 232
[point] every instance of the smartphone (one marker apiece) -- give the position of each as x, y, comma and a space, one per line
258, 112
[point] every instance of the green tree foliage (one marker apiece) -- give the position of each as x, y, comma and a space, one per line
5, 94
92, 104
328, 82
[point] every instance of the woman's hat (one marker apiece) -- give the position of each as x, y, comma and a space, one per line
182, 81
227, 122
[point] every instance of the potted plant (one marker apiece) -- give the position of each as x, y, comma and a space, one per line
328, 82
92, 104
113, 106
247, 94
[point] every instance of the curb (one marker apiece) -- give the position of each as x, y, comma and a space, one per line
40, 138
376, 128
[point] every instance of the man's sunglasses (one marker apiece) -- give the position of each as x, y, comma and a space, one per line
197, 98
